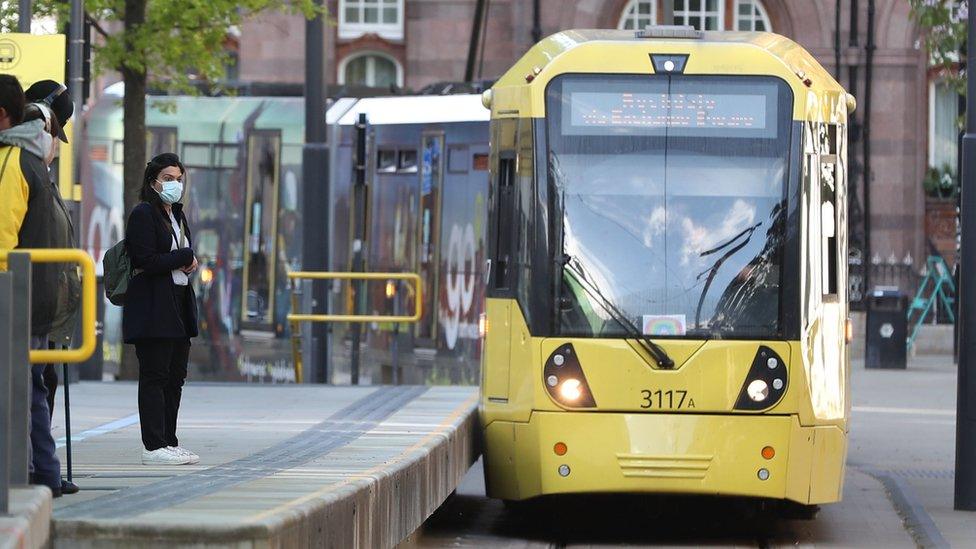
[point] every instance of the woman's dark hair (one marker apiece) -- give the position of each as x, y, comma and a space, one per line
12, 98
153, 167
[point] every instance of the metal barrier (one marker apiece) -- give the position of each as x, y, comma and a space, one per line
15, 353
88, 310
413, 277
396, 319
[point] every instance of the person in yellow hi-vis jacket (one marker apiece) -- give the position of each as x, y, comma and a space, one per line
34, 216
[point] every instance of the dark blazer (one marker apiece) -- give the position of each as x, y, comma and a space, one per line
150, 304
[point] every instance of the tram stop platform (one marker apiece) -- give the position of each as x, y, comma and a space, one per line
281, 465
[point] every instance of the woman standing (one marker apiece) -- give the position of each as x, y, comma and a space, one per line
159, 315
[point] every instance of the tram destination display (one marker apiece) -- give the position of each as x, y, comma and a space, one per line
744, 109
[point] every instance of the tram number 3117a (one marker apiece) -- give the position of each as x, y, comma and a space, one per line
666, 400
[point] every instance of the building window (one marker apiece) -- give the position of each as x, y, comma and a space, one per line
381, 17
943, 126
750, 15
701, 14
372, 69
638, 14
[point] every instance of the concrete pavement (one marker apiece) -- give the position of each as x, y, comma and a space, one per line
903, 428
29, 522
280, 466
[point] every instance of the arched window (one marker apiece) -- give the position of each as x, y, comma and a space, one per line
750, 15
370, 69
638, 14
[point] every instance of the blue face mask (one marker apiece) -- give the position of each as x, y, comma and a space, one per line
172, 191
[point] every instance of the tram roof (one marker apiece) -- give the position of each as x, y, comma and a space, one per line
622, 51
410, 109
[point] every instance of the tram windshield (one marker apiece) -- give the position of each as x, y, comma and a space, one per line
671, 203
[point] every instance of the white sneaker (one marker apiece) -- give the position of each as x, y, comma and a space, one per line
163, 456
194, 459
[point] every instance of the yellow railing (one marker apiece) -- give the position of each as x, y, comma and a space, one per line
412, 277
88, 312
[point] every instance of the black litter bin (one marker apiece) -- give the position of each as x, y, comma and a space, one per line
887, 330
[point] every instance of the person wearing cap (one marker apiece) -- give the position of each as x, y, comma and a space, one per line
34, 216
51, 94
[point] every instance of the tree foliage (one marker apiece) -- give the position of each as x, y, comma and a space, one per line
179, 42
943, 23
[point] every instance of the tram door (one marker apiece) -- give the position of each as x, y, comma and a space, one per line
824, 180
431, 182
260, 227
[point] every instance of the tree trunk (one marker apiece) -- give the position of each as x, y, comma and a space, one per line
134, 148
133, 136
134, 112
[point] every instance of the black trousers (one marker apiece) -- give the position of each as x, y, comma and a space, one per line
162, 371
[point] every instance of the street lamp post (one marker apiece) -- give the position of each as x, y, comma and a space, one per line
24, 10
965, 489
315, 182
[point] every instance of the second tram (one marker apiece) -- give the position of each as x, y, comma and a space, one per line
666, 308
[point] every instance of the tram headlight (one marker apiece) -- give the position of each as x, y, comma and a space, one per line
564, 380
570, 390
766, 382
758, 390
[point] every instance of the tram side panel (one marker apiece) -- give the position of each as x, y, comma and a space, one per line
460, 268
102, 219
212, 136
426, 187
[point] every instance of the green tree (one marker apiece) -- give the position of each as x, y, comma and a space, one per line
943, 24
169, 44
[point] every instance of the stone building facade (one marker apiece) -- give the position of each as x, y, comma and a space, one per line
413, 43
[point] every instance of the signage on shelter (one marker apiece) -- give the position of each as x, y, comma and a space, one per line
33, 57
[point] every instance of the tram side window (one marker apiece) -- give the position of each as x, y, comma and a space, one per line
502, 203
828, 211
504, 209
407, 161
386, 161
524, 209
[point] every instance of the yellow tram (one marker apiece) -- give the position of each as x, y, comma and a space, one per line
666, 306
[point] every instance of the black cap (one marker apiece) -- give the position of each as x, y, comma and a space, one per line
54, 95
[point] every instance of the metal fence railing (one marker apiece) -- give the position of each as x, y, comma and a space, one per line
393, 282
16, 356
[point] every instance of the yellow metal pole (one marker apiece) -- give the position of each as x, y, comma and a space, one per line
411, 277
88, 311
296, 337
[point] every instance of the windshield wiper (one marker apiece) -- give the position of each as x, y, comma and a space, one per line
713, 270
655, 350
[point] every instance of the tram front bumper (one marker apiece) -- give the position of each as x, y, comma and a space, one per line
664, 453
